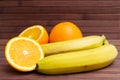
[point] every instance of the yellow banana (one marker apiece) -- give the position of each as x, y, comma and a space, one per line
78, 61
84, 43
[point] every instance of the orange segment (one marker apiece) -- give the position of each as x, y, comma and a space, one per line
23, 53
36, 32
65, 31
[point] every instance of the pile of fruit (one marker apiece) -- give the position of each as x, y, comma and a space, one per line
65, 50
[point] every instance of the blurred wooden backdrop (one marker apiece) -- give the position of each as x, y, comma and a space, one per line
94, 17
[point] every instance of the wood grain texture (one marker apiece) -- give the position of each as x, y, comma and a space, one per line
72, 2
91, 16
62, 9
59, 16
111, 72
86, 29
9, 3
102, 17
44, 16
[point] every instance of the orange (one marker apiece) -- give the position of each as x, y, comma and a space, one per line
65, 31
36, 32
23, 53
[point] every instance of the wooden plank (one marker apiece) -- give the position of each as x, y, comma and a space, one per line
108, 35
11, 3
51, 23
59, 16
11, 29
101, 29
8, 35
1, 10
68, 0
71, 3
62, 9
101, 16
115, 42
2, 47
3, 42
42, 16
96, 75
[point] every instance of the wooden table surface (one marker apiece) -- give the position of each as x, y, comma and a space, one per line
111, 72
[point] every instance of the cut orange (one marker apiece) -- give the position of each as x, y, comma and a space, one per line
65, 31
36, 32
23, 53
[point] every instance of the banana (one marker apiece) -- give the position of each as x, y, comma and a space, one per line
84, 43
78, 61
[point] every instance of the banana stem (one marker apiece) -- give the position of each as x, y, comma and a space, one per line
105, 42
103, 36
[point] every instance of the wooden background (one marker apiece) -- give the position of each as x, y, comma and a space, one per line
92, 16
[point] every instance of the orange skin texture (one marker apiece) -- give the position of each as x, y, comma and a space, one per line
45, 38
65, 31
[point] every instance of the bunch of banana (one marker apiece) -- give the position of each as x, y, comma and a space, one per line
79, 55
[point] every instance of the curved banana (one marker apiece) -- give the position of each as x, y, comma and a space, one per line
78, 61
84, 43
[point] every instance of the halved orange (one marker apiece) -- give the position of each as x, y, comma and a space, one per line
36, 32
23, 53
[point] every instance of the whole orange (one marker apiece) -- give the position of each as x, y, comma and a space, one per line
65, 31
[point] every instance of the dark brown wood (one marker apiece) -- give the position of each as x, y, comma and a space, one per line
59, 16
83, 29
51, 23
84, 25
9, 3
102, 17
62, 9
72, 2
111, 72
43, 16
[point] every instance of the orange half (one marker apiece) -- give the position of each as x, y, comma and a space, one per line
36, 32
23, 53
